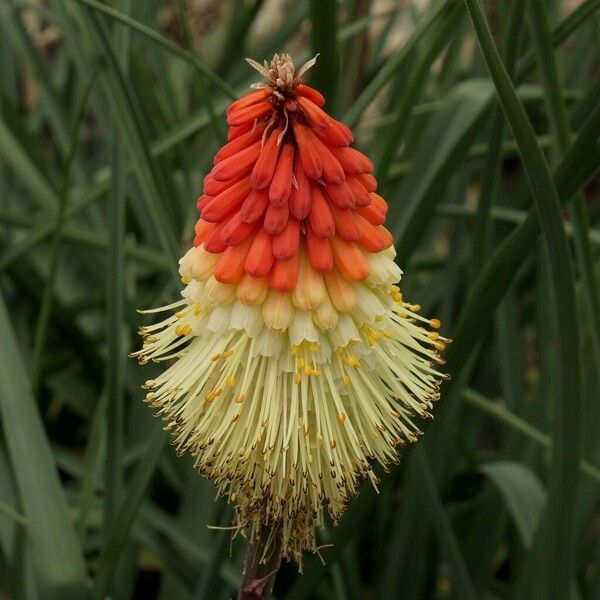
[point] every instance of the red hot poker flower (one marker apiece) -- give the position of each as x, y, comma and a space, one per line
297, 360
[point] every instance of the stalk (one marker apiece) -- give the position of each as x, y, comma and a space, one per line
261, 564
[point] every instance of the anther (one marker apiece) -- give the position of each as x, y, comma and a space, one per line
352, 361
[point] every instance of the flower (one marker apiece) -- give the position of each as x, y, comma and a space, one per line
296, 362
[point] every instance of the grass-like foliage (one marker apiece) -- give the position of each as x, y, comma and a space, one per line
483, 121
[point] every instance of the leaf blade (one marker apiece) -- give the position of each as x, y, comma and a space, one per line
57, 554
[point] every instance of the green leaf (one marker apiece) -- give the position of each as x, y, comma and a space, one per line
115, 320
560, 534
493, 164
41, 330
562, 133
91, 470
11, 513
393, 64
25, 168
441, 150
578, 17
580, 162
57, 115
186, 546
127, 111
522, 492
56, 552
18, 575
162, 41
516, 423
128, 510
441, 525
324, 75
413, 88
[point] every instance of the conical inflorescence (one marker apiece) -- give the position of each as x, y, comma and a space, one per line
295, 361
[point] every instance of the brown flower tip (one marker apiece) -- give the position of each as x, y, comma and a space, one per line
281, 73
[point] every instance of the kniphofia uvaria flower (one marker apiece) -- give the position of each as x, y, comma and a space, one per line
295, 360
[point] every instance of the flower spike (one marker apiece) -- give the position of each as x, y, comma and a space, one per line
295, 362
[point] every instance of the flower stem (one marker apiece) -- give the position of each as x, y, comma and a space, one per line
261, 564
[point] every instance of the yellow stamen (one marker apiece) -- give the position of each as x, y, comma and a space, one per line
352, 361
182, 330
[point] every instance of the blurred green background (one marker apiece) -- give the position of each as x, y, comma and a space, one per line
109, 116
